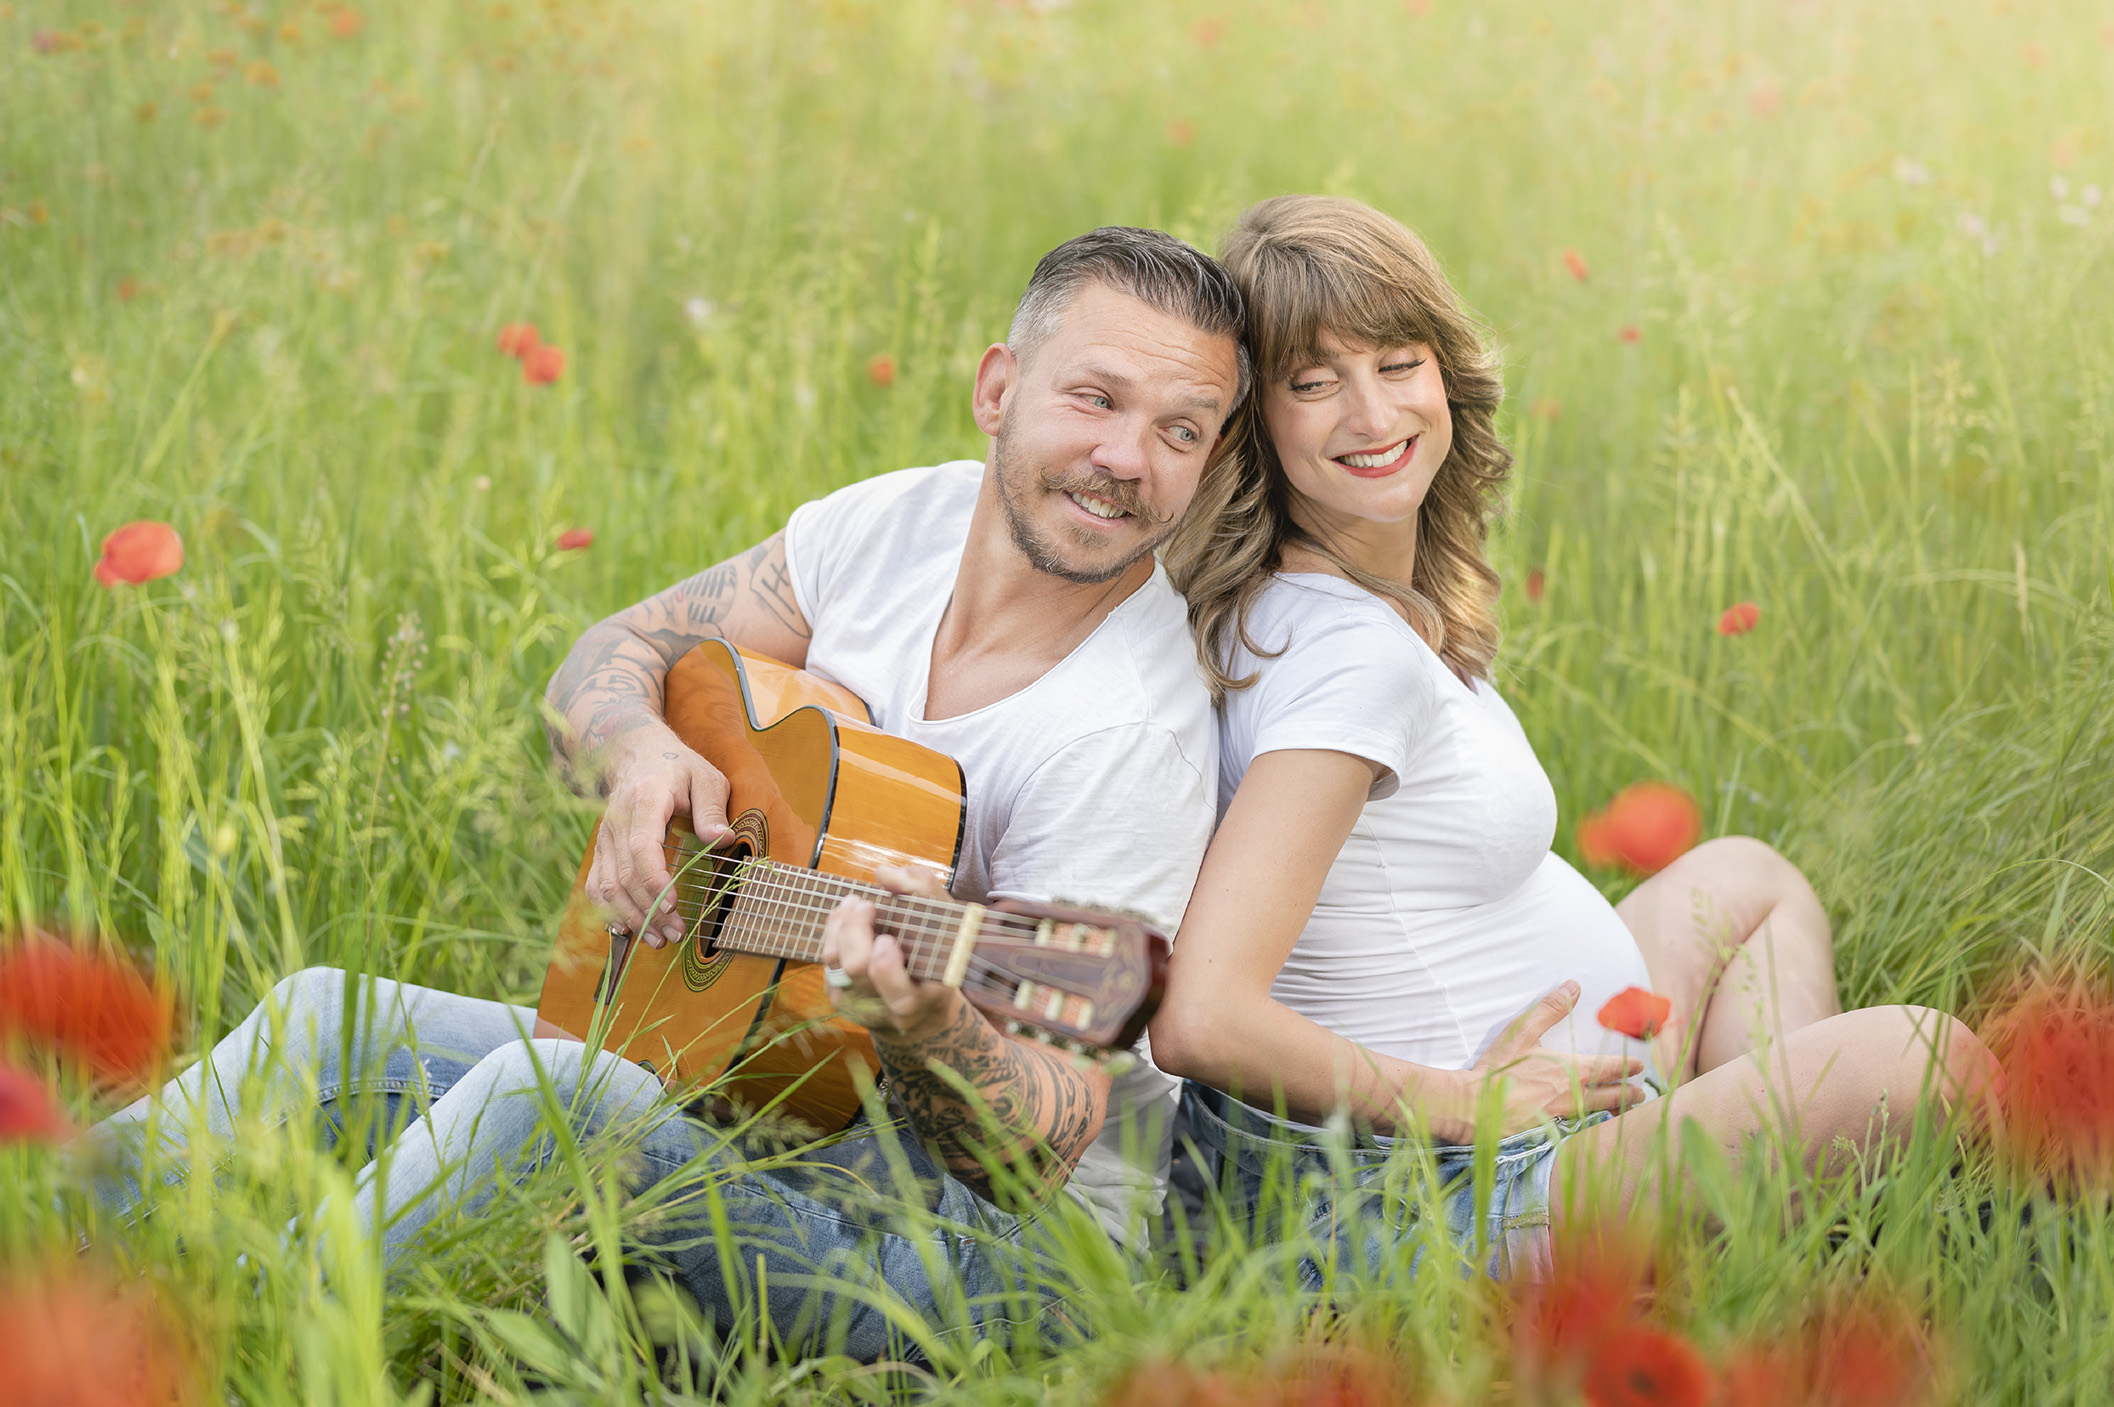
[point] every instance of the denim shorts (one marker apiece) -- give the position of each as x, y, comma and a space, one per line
1357, 1198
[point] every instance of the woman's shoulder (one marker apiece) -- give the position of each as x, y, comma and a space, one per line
1303, 613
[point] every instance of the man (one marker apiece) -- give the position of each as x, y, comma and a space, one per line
1010, 614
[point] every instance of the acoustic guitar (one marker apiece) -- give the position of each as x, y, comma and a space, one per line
819, 797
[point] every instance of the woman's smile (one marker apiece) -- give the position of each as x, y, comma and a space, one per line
1378, 464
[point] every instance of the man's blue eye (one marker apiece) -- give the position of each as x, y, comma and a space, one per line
1101, 401
1188, 435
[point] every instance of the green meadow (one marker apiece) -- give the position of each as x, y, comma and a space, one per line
1809, 305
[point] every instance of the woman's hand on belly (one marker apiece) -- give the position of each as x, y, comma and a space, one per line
1522, 1082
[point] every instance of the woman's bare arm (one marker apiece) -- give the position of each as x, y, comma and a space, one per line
1219, 1024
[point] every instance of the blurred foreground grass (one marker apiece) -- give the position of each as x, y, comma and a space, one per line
1837, 338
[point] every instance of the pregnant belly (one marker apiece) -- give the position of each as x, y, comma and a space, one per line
1437, 987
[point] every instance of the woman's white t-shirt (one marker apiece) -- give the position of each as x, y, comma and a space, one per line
1092, 786
1445, 913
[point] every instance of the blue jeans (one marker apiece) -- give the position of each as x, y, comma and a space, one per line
1355, 1199
458, 1099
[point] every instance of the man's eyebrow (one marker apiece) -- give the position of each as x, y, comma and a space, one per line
1108, 375
1094, 371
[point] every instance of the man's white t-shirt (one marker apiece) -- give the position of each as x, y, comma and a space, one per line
1095, 785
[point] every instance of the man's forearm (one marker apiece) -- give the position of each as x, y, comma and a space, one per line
1031, 1109
611, 684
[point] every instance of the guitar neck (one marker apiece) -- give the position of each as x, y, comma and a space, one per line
779, 910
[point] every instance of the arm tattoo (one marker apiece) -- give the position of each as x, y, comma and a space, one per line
1031, 1111
612, 681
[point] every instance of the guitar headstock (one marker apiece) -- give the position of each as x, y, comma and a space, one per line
1075, 976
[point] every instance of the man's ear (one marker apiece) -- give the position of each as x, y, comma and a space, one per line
995, 376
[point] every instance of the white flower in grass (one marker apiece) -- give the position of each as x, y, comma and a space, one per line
700, 311
1911, 173
2059, 187
2090, 196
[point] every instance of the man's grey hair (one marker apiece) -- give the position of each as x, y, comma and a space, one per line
1152, 266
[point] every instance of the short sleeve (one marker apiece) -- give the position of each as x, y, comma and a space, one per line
822, 533
1116, 820
1346, 682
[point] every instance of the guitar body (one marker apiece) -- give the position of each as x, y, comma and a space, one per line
814, 785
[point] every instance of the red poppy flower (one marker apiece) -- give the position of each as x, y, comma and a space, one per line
1598, 1281
2055, 1045
1536, 585
346, 23
90, 1006
1869, 1354
1764, 1377
882, 371
1739, 619
1639, 1366
1636, 1013
574, 539
518, 339
1575, 262
1159, 1383
542, 364
140, 552
72, 1338
1207, 33
1644, 829
26, 1111
1631, 333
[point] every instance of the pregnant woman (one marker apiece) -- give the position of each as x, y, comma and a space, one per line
1380, 927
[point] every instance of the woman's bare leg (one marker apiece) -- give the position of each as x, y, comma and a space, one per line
1840, 1086
1736, 938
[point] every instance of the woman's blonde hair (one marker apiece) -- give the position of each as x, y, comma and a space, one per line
1311, 265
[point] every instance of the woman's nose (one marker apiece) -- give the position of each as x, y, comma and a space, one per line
1370, 412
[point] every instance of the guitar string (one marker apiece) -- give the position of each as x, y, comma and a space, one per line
927, 948
822, 894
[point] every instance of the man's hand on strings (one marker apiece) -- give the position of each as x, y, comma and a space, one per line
868, 974
653, 777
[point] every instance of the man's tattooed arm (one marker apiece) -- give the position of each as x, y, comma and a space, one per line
1034, 1111
611, 682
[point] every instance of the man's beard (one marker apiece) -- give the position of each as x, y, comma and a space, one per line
1041, 553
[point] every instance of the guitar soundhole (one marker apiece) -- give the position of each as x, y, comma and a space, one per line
715, 888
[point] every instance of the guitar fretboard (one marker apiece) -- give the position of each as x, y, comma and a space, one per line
780, 910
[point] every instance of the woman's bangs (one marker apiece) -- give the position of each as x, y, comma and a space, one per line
1303, 306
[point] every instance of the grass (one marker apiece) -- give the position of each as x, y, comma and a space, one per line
252, 263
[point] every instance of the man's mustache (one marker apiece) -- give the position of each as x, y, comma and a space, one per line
1116, 491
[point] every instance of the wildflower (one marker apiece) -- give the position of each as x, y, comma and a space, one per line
1208, 32
146, 112
1546, 409
1159, 1383
518, 339
2055, 1044
1645, 1366
1636, 1013
1181, 132
576, 539
1631, 333
346, 23
127, 289
71, 1337
542, 364
1765, 99
882, 371
2035, 53
1575, 262
1598, 1282
26, 1111
95, 1008
1739, 618
139, 552
209, 117
1911, 173
261, 74
1536, 585
1644, 829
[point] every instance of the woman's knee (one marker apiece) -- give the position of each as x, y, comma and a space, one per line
1919, 1050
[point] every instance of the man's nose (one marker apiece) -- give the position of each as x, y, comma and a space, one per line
1124, 453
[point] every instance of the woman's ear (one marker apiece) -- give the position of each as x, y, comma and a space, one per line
995, 377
